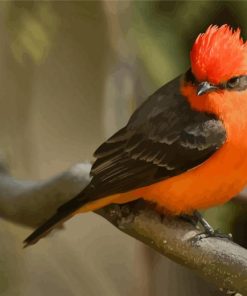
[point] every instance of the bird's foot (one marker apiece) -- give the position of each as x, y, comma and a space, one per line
215, 233
208, 229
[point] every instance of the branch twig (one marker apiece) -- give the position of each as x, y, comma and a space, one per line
221, 262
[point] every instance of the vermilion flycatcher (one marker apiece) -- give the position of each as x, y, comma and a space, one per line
185, 147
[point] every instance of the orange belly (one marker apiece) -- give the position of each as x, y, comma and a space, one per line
214, 182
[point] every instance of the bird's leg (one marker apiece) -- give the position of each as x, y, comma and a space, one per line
209, 231
206, 226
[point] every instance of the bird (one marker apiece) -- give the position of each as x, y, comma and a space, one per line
185, 148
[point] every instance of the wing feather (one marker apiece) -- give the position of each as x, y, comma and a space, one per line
163, 138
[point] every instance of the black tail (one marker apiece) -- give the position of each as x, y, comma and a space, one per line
63, 213
44, 229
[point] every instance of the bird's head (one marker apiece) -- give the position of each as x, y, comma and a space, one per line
218, 61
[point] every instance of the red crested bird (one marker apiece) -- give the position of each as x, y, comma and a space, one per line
185, 147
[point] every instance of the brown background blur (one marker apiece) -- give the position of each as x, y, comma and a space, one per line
71, 73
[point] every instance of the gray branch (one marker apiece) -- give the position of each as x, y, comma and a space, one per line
219, 261
32, 202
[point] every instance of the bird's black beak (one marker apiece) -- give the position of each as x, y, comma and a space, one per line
205, 87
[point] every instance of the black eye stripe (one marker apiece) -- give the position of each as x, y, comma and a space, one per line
233, 82
238, 83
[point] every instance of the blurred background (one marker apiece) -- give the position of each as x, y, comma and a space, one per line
71, 73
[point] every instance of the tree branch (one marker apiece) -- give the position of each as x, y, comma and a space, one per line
32, 202
221, 262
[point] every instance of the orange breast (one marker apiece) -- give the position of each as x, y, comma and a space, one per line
223, 175
212, 183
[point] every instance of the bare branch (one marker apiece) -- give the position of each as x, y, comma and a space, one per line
221, 262
32, 202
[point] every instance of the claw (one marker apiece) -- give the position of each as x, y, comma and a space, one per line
215, 233
208, 229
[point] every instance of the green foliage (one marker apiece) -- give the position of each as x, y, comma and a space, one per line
165, 30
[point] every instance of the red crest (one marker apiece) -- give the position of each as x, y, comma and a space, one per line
219, 54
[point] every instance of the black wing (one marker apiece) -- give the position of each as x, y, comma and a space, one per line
163, 138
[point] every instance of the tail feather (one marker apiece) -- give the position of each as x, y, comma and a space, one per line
63, 213
79, 204
44, 229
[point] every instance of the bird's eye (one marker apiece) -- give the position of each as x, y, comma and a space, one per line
233, 82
